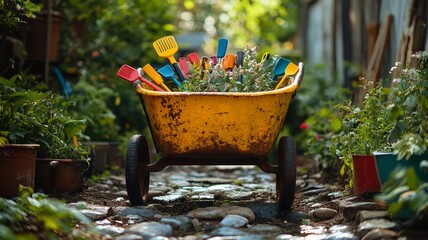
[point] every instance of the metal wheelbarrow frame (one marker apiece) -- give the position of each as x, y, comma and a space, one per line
205, 128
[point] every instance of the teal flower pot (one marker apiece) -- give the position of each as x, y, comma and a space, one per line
386, 163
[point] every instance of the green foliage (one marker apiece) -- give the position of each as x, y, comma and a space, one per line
365, 128
91, 104
316, 100
256, 76
14, 13
409, 110
405, 192
114, 33
28, 116
34, 216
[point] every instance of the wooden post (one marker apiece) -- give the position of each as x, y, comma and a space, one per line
48, 41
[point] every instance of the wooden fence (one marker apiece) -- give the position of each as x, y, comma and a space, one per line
374, 34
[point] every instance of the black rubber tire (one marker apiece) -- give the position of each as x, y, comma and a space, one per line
286, 175
136, 174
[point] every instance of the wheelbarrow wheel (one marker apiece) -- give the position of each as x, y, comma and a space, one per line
286, 174
136, 174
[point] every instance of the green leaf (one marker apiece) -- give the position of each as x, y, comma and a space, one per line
324, 112
393, 195
411, 102
336, 124
412, 178
395, 207
73, 127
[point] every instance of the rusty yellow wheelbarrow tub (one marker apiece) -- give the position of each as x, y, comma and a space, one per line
216, 124
194, 128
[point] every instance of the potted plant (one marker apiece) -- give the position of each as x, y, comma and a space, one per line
29, 116
365, 129
17, 152
102, 129
408, 108
62, 160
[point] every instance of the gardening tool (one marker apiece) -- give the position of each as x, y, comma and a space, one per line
205, 66
265, 57
193, 59
289, 71
151, 72
140, 71
279, 68
221, 48
130, 74
229, 62
167, 72
239, 62
214, 60
183, 66
166, 47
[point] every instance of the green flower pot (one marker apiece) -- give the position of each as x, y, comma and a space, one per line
386, 163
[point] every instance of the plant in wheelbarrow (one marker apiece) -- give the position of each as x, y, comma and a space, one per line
41, 118
193, 128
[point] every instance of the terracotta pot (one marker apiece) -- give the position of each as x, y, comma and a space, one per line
113, 158
17, 167
60, 175
365, 175
37, 37
99, 159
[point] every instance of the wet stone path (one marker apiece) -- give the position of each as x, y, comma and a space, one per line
230, 202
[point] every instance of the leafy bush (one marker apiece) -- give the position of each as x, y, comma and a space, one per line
365, 128
409, 110
91, 104
28, 116
405, 192
316, 100
35, 216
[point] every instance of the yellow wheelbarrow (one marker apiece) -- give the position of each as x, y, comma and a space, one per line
214, 128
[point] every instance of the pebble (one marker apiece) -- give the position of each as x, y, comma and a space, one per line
182, 223
168, 198
235, 221
110, 230
233, 195
350, 209
227, 231
95, 212
322, 214
142, 211
218, 213
367, 226
367, 215
250, 215
380, 234
341, 236
265, 228
150, 229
